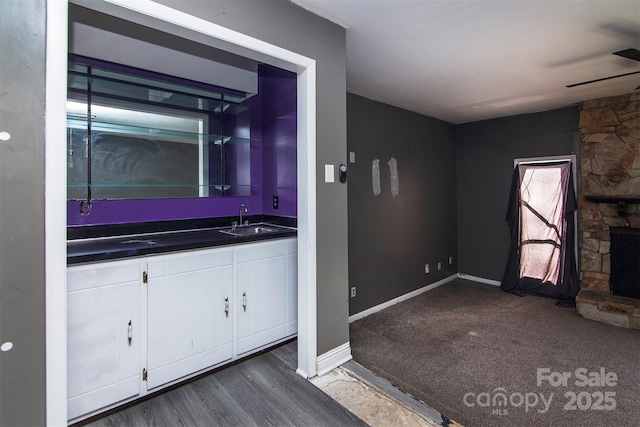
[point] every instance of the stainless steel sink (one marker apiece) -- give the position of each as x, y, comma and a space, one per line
251, 230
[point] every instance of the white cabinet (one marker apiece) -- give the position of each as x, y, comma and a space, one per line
136, 325
103, 306
266, 293
188, 309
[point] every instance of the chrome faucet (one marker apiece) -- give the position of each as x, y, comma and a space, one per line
243, 208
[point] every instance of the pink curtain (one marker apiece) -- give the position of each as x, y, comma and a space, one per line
542, 223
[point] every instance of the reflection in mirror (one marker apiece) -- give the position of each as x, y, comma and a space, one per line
133, 134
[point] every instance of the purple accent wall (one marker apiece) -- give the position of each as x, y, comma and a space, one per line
273, 168
129, 211
279, 140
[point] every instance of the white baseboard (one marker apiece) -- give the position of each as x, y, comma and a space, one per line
479, 279
333, 358
302, 373
380, 307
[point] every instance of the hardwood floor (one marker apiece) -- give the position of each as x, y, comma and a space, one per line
261, 391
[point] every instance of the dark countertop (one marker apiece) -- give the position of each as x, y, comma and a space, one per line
92, 249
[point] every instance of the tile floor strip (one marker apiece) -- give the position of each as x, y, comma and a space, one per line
372, 404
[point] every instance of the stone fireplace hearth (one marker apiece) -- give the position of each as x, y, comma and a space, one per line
609, 193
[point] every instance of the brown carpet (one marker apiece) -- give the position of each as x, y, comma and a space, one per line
460, 347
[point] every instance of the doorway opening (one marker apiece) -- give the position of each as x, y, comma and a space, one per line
542, 223
541, 215
164, 18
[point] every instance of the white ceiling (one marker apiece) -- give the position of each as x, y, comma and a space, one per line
463, 61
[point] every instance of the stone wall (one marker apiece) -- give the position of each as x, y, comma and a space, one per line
610, 166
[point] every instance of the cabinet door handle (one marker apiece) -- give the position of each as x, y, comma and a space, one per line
226, 306
244, 301
130, 332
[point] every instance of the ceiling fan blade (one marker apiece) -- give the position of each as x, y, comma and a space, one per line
602, 79
629, 53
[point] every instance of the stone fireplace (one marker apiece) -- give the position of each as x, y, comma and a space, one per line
609, 188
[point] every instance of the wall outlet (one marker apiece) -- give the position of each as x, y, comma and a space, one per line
450, 260
353, 291
275, 202
426, 268
439, 266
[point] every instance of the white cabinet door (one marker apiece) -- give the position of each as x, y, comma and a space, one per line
103, 307
180, 322
189, 313
266, 293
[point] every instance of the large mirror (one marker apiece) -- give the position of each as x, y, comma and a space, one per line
135, 134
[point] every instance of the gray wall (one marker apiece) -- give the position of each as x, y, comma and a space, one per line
485, 154
22, 291
391, 239
22, 75
291, 27
421, 145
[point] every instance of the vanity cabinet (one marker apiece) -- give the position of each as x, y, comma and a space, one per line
104, 335
137, 325
266, 293
188, 310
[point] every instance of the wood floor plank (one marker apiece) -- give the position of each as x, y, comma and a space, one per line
205, 403
157, 412
288, 354
242, 384
261, 391
149, 413
285, 392
121, 418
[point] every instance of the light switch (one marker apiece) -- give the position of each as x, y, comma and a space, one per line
352, 156
329, 173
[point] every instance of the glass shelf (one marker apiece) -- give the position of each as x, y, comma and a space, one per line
77, 191
84, 185
74, 122
108, 84
232, 109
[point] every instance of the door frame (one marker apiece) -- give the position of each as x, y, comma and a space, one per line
164, 18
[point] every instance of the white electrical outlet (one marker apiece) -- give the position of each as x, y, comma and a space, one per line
450, 260
426, 268
439, 266
353, 292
